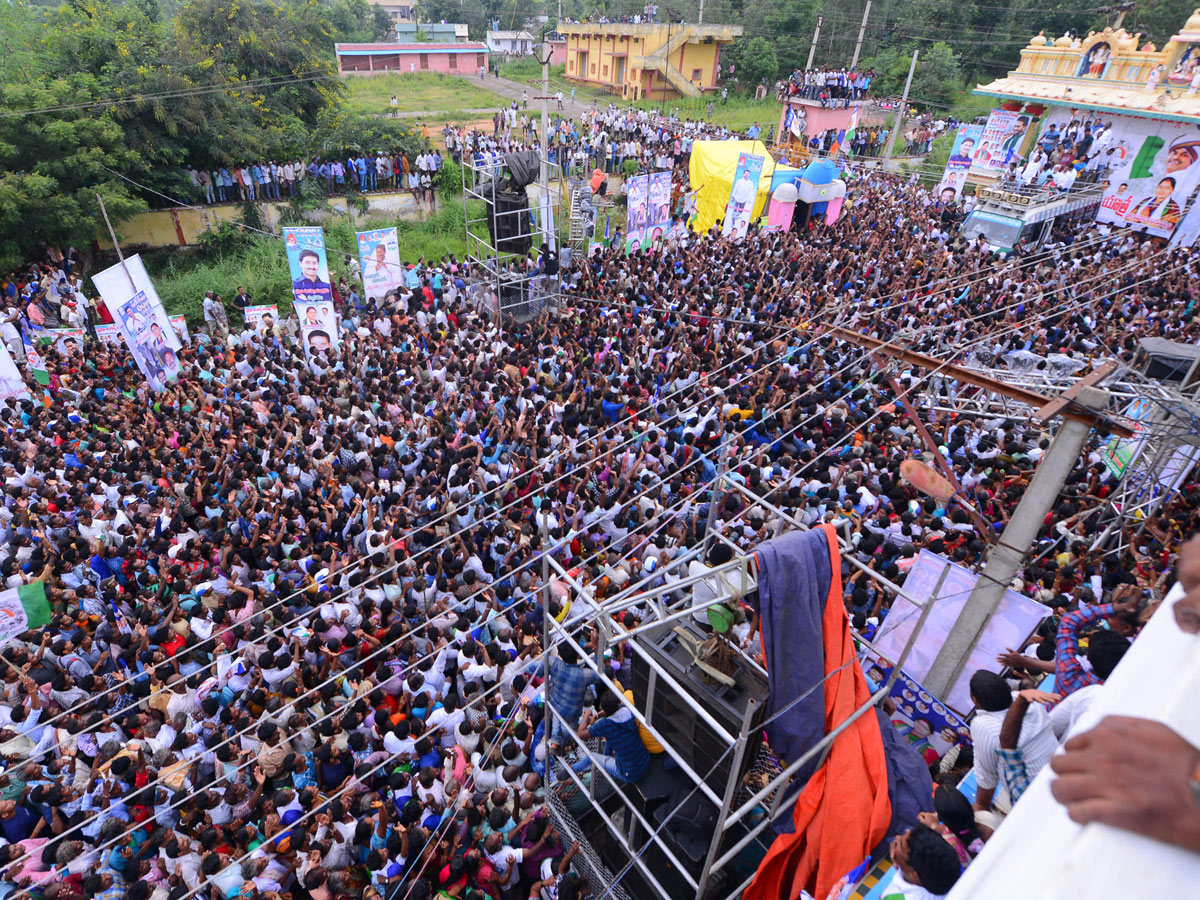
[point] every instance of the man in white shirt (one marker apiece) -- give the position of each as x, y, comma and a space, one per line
926, 866
1036, 744
505, 858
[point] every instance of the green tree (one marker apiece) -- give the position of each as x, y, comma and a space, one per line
54, 163
1158, 20
786, 24
357, 21
338, 131
755, 61
278, 49
936, 82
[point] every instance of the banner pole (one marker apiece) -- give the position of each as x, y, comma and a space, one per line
116, 244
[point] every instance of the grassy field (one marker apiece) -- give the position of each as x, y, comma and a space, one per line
527, 71
419, 92
739, 113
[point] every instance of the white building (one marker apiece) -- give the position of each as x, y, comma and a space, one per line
514, 43
399, 10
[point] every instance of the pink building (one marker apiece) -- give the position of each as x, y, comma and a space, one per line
558, 54
817, 118
464, 58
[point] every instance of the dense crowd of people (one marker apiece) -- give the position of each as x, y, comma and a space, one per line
606, 139
297, 640
833, 87
359, 172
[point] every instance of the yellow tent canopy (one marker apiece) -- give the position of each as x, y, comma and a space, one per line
711, 172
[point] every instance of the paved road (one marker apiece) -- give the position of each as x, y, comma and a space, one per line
506, 87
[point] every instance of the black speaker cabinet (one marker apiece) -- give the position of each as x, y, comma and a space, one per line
676, 715
508, 221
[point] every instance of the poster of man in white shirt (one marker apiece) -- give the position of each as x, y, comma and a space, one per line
743, 195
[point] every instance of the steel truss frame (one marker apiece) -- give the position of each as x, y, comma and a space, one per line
1136, 497
1153, 476
738, 824
507, 291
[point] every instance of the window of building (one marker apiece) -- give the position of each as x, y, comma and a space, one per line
695, 74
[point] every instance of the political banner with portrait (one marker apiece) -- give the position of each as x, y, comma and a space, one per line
119, 282
149, 336
742, 195
1153, 170
318, 326
929, 725
308, 266
1011, 626
966, 140
11, 382
179, 323
1120, 452
638, 199
67, 341
108, 333
659, 209
260, 318
1000, 143
379, 253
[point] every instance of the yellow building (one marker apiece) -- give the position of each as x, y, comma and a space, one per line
655, 61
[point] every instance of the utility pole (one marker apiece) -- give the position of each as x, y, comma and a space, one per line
862, 29
1005, 558
668, 58
700, 17
887, 154
1120, 9
544, 53
812, 50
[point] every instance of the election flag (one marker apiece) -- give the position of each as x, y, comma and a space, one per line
37, 367
23, 608
848, 138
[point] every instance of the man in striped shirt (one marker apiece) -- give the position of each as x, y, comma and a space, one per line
627, 759
1069, 673
1036, 744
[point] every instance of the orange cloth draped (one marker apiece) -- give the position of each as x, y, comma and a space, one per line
844, 810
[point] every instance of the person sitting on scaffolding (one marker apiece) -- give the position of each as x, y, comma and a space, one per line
627, 758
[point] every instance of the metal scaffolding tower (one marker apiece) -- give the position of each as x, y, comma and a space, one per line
1149, 466
699, 823
508, 219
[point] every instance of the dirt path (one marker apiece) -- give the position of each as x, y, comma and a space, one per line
513, 90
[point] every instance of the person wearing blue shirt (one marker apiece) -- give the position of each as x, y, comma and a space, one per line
611, 407
627, 758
